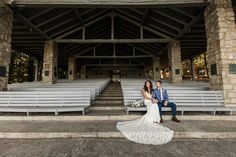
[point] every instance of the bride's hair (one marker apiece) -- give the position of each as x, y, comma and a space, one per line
145, 87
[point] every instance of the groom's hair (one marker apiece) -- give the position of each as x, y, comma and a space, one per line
159, 81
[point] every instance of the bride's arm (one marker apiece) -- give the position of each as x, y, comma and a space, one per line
146, 97
154, 97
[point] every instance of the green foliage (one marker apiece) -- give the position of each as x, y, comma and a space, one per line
18, 71
200, 68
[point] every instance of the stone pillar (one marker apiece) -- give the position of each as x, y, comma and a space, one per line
192, 69
175, 64
83, 72
50, 62
148, 72
71, 68
156, 68
221, 47
36, 62
6, 19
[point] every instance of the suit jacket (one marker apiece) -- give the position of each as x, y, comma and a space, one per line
157, 94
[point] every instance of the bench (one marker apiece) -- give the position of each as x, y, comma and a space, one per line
93, 91
53, 101
185, 101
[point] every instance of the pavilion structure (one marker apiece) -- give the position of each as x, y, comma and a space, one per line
93, 38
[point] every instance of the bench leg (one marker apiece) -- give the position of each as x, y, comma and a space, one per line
56, 113
87, 110
27, 113
83, 112
214, 113
182, 113
231, 112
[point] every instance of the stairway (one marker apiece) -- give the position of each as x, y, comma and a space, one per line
110, 102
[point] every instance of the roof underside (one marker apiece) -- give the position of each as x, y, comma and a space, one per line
33, 25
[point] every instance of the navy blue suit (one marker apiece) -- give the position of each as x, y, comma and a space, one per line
157, 95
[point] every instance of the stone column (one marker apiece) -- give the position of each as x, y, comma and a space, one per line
36, 62
83, 72
6, 19
148, 72
71, 68
175, 64
50, 62
156, 68
221, 47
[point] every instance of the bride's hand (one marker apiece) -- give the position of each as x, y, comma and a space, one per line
154, 101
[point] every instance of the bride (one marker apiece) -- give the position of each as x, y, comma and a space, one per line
146, 129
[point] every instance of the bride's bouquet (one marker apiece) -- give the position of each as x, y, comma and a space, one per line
136, 103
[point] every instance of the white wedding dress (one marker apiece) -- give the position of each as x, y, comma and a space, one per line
144, 130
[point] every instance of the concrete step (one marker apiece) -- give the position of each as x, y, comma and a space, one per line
109, 98
111, 92
75, 116
107, 108
109, 105
107, 129
111, 95
107, 126
106, 112
108, 102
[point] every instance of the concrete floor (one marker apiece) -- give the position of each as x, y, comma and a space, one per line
110, 126
96, 147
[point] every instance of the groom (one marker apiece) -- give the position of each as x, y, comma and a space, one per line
161, 96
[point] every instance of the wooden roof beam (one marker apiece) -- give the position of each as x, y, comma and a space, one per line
144, 16
78, 15
189, 25
112, 41
145, 27
30, 24
81, 27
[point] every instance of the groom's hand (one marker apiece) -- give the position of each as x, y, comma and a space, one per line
166, 103
154, 101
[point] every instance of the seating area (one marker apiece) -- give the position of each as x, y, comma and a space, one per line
65, 96
79, 95
195, 97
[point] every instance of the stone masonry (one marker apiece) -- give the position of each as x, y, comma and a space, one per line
148, 71
71, 68
83, 73
156, 68
49, 74
6, 18
221, 47
175, 64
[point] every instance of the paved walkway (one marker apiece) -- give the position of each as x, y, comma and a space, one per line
91, 147
110, 126
107, 129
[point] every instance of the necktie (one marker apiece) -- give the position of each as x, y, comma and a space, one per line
161, 93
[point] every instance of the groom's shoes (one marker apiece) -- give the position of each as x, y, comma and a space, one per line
161, 121
175, 120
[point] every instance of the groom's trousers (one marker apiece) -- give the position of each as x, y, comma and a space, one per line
170, 104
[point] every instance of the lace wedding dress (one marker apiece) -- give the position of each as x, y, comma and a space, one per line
144, 130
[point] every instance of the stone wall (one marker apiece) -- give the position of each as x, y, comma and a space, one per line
156, 68
71, 68
221, 47
6, 18
148, 69
50, 72
175, 64
83, 72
